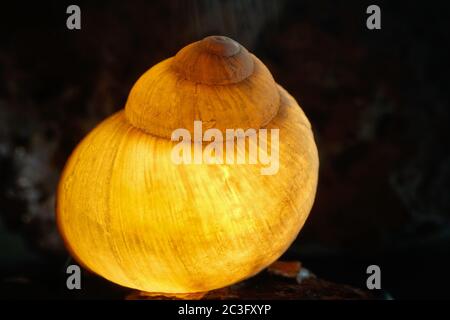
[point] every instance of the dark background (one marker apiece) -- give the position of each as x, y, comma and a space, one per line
378, 102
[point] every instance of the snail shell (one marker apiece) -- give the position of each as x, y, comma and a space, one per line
131, 215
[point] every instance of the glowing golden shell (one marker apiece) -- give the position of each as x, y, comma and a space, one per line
131, 215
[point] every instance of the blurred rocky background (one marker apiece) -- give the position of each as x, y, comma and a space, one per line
378, 102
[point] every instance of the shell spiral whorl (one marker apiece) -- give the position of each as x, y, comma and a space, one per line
215, 80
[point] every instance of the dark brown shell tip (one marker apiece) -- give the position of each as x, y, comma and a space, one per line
221, 45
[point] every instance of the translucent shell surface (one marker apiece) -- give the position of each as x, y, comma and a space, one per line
131, 215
